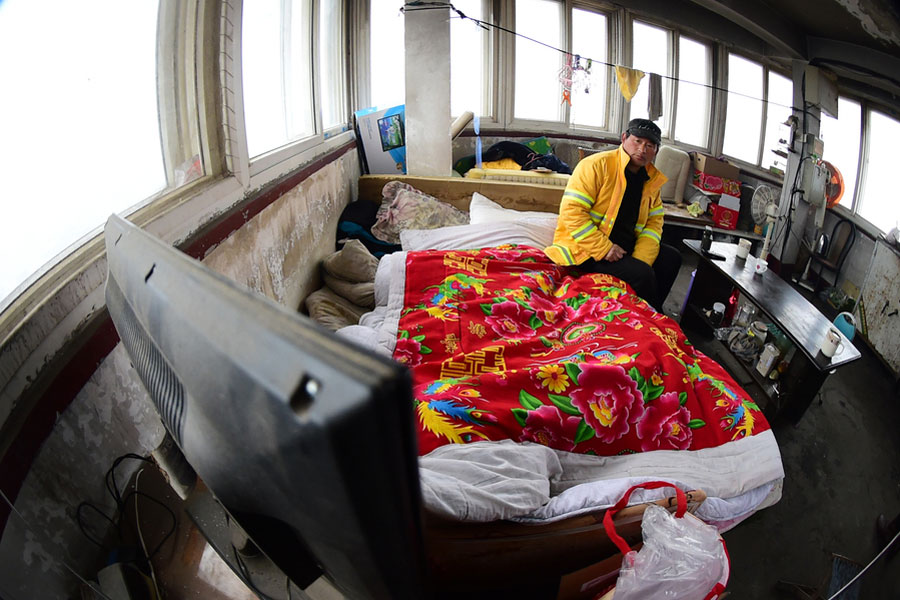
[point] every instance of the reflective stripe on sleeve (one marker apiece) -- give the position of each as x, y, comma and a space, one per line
567, 256
586, 230
651, 234
580, 198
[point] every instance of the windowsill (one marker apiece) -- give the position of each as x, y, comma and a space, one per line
862, 225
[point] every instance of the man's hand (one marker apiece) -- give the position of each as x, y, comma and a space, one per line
615, 253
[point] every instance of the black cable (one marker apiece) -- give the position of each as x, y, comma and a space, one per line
416, 6
245, 573
135, 493
78, 520
110, 478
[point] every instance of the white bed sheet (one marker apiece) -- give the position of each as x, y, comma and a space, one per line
486, 481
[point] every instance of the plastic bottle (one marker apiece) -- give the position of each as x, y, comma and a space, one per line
706, 242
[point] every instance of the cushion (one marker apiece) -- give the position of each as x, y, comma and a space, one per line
479, 235
332, 311
361, 294
676, 165
404, 207
485, 210
353, 263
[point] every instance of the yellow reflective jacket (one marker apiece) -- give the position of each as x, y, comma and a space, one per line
589, 207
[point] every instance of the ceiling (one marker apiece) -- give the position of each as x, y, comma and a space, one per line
859, 40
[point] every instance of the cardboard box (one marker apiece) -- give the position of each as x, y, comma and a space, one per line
722, 217
716, 184
383, 137
713, 166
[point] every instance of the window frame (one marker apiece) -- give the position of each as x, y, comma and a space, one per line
767, 66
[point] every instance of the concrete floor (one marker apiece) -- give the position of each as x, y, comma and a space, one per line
842, 469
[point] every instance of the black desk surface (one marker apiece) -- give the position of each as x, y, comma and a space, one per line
785, 306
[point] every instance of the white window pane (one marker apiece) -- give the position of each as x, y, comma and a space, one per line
841, 138
467, 60
538, 92
778, 109
744, 112
79, 103
276, 73
879, 203
331, 64
589, 39
387, 54
694, 74
651, 55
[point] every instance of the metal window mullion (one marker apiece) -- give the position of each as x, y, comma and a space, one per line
231, 75
719, 101
673, 89
765, 116
316, 87
568, 44
287, 66
507, 101
862, 170
672, 69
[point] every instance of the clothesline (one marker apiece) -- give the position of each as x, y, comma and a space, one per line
414, 6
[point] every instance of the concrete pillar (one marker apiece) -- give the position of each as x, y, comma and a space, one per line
428, 144
802, 217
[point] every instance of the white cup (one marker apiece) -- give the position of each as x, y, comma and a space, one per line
743, 249
760, 266
832, 343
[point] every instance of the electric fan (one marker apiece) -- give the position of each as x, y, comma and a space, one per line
834, 185
764, 210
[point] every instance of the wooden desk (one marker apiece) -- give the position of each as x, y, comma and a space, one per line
780, 304
680, 217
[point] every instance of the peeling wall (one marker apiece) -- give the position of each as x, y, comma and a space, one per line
277, 252
111, 416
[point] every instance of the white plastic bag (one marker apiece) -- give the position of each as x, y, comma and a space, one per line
682, 557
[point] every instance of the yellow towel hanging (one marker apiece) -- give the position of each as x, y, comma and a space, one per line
628, 79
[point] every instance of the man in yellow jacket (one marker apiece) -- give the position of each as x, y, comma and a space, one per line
611, 216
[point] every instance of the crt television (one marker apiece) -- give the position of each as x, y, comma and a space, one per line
305, 439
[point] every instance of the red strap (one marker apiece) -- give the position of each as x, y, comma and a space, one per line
610, 527
719, 588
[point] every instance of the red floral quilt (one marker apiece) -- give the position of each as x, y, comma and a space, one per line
504, 344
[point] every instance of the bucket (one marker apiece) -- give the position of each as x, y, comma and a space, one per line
846, 323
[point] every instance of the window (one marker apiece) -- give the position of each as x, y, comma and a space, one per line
878, 202
538, 91
841, 138
469, 64
276, 69
778, 108
331, 65
590, 84
693, 103
651, 53
743, 117
387, 54
86, 110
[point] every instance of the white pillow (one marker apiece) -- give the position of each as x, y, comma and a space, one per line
479, 235
484, 210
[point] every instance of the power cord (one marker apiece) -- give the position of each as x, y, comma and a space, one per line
121, 503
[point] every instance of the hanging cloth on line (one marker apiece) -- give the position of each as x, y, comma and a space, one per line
629, 80
654, 98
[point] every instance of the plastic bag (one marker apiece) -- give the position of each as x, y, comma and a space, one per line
682, 557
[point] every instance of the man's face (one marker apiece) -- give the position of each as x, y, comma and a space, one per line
641, 150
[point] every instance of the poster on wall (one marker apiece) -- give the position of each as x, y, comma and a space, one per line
382, 134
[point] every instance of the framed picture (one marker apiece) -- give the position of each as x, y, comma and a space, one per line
390, 129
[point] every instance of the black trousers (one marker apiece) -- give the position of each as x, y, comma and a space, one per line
652, 283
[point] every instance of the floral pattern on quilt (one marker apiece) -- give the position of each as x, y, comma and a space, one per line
504, 344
